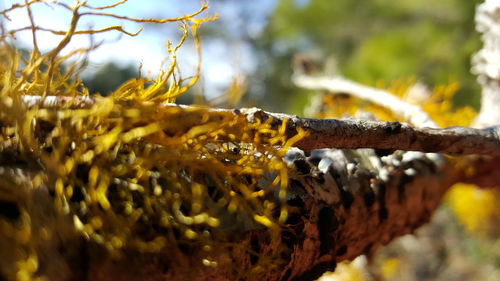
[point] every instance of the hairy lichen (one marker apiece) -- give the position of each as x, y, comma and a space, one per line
126, 171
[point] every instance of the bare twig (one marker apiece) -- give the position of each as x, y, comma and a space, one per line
352, 133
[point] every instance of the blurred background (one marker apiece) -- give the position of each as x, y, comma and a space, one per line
247, 61
252, 44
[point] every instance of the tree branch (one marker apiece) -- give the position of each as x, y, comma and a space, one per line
343, 203
340, 202
350, 133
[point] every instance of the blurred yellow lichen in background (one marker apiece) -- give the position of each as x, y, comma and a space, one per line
472, 206
128, 170
389, 267
476, 209
438, 103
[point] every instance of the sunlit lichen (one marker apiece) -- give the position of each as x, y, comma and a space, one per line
128, 171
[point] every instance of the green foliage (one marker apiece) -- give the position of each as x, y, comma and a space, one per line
108, 77
375, 41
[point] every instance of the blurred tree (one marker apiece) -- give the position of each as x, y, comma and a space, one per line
108, 77
371, 41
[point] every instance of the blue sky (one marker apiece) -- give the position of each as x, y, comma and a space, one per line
220, 59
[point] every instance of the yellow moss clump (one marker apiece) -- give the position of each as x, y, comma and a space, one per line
129, 170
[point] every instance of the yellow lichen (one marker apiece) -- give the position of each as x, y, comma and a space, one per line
476, 209
438, 104
129, 170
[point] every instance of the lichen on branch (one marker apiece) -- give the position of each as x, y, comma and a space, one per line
124, 172
136, 187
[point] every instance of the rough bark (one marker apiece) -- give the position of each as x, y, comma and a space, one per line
341, 213
346, 203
